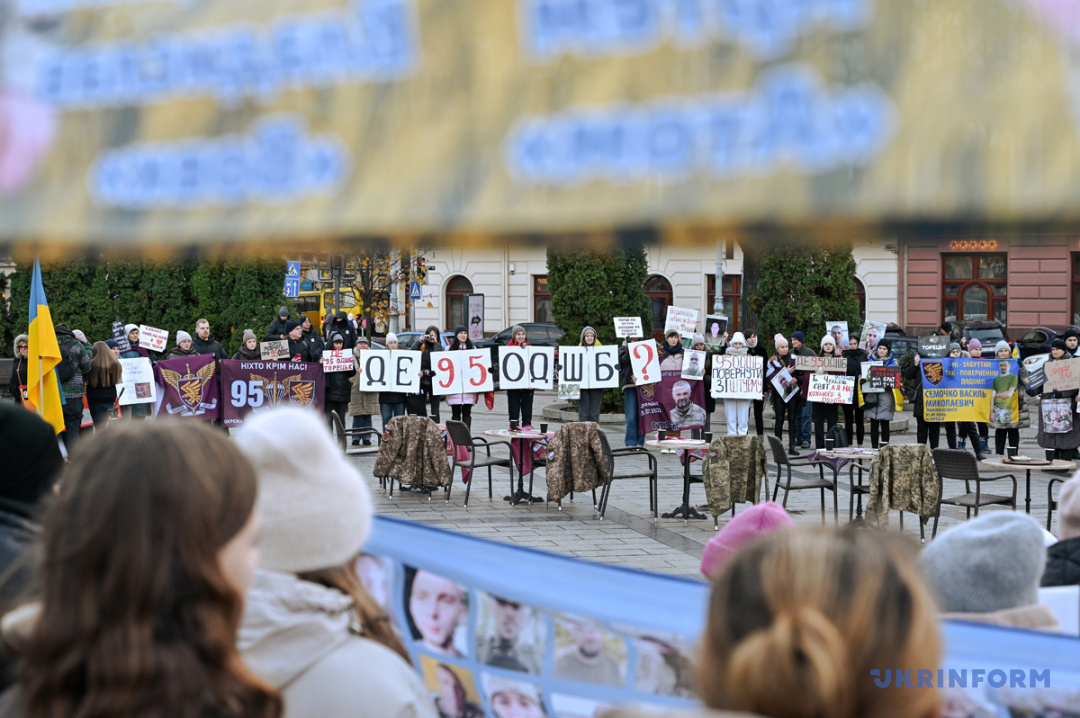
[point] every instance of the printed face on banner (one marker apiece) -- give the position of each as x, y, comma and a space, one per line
645, 362
587, 652
965, 389
453, 686
595, 368
737, 377
437, 610
715, 326
694, 365
673, 403
872, 333
509, 634
526, 367
839, 333
466, 371
397, 370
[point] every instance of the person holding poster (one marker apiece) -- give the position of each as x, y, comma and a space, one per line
105, 374
338, 386
136, 411
1007, 415
737, 411
392, 403
249, 348
460, 404
825, 415
629, 389
880, 407
419, 404
927, 431
780, 362
698, 345
853, 413
362, 404
671, 352
1059, 430
590, 399
755, 348
299, 350
520, 401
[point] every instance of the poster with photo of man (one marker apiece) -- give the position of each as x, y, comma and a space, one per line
673, 403
872, 333
839, 333
693, 367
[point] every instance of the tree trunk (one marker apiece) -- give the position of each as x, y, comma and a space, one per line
751, 275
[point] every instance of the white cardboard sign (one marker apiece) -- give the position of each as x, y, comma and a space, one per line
463, 371
153, 339
644, 362
684, 321
628, 327
274, 350
737, 377
333, 361
137, 382
392, 371
526, 367
830, 388
591, 368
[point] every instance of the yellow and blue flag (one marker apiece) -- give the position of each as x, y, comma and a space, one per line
42, 383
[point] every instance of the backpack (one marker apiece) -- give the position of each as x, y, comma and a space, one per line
67, 367
839, 437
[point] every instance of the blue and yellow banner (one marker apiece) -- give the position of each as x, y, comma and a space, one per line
971, 390
42, 384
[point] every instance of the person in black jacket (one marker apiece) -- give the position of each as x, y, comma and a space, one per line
754, 348
204, 342
312, 338
341, 326
854, 426
630, 398
276, 330
249, 348
1063, 558
338, 386
417, 404
298, 348
18, 369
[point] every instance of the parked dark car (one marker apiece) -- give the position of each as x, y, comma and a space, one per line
900, 342
988, 333
1039, 339
536, 333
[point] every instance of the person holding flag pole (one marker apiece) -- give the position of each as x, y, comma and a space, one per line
43, 385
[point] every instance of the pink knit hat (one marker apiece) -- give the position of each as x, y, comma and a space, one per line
758, 520
1069, 509
779, 340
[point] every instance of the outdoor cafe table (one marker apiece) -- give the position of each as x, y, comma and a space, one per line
685, 510
852, 454
1055, 465
520, 443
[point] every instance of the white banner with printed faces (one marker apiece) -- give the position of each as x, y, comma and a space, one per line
589, 367
396, 370
526, 367
463, 371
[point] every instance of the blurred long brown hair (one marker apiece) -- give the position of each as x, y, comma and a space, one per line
105, 369
137, 616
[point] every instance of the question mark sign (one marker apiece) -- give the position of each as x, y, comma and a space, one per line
637, 355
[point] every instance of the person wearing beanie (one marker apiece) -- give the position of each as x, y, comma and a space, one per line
1063, 557
341, 325
975, 348
309, 627
277, 329
698, 344
419, 404
945, 329
804, 413
338, 386
183, 346
1007, 415
520, 401
362, 404
134, 351
391, 403
312, 338
825, 416
1062, 444
780, 361
589, 400
879, 407
737, 411
1072, 342
854, 421
299, 350
513, 699
758, 520
249, 348
989, 569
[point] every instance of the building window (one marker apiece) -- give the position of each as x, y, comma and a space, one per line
731, 290
542, 300
458, 290
974, 287
658, 290
1076, 289
860, 295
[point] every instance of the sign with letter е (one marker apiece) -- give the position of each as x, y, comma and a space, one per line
465, 371
835, 365
397, 371
274, 350
830, 388
684, 321
885, 377
153, 339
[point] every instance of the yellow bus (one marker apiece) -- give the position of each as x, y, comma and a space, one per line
316, 300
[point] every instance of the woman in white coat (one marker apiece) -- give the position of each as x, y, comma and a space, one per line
737, 410
310, 628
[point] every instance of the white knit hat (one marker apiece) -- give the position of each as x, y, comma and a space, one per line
738, 338
129, 328
391, 337
315, 507
182, 336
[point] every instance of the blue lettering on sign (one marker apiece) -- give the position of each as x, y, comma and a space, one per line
594, 27
788, 120
276, 162
377, 40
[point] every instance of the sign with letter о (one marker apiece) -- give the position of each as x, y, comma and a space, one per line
333, 361
628, 327
830, 388
737, 377
526, 367
153, 339
274, 350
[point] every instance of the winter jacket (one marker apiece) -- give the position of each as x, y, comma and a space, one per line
426, 372
626, 368
315, 343
804, 383
881, 406
855, 359
245, 355
361, 403
1063, 564
300, 352
912, 373
576, 460
17, 535
339, 386
178, 353
460, 399
732, 471
18, 379
1070, 440
304, 639
208, 346
523, 345
341, 326
276, 330
672, 355
902, 478
412, 452
775, 365
79, 355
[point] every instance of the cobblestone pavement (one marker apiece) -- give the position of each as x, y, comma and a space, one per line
627, 536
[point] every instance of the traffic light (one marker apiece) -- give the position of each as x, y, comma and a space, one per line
421, 270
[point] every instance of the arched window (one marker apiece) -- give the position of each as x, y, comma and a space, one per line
974, 287
658, 290
860, 295
457, 304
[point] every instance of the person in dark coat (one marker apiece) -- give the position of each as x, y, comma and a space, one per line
249, 348
417, 404
392, 403
314, 340
32, 463
204, 342
1063, 558
630, 398
805, 411
298, 348
276, 330
854, 424
755, 348
338, 386
18, 370
341, 326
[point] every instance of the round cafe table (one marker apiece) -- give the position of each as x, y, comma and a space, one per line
1055, 465
520, 442
854, 454
686, 511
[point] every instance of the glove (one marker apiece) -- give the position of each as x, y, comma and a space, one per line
80, 336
